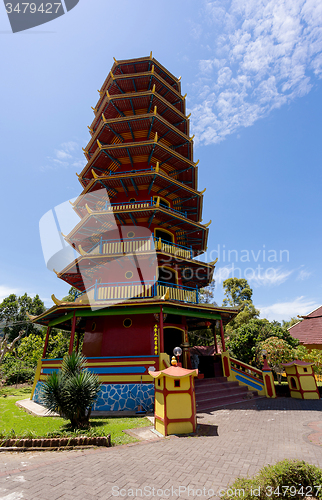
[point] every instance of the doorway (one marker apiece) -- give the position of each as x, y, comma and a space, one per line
173, 337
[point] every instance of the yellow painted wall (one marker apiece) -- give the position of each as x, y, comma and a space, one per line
302, 371
308, 383
159, 426
180, 428
179, 406
184, 384
291, 386
159, 404
310, 395
296, 395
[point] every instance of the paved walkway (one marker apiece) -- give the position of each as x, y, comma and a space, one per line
234, 441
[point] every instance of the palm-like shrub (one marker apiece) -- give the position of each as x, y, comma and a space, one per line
72, 391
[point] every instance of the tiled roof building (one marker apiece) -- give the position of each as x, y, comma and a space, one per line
309, 331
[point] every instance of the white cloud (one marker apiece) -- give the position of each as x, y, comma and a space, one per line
264, 54
7, 290
303, 275
269, 277
256, 277
70, 146
67, 155
61, 155
287, 310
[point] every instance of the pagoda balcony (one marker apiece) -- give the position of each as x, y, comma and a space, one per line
102, 292
131, 245
131, 205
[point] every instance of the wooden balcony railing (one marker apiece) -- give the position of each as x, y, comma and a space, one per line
131, 245
131, 205
136, 289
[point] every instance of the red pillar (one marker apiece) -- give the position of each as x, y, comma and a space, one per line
72, 335
222, 336
46, 342
215, 337
161, 331
77, 343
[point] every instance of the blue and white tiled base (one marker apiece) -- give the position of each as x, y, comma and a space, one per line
117, 397
37, 394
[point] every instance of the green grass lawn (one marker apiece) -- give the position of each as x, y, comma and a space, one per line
15, 422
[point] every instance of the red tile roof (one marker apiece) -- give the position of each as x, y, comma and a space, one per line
309, 331
298, 363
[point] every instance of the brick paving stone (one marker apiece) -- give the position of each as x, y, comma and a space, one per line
250, 436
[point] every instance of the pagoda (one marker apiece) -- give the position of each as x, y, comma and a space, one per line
138, 239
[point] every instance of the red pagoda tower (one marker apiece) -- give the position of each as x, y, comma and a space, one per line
138, 237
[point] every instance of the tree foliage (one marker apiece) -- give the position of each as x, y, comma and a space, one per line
8, 347
207, 294
71, 295
291, 322
239, 294
244, 342
278, 352
13, 314
31, 348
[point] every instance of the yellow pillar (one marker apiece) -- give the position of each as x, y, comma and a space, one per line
226, 366
175, 401
269, 384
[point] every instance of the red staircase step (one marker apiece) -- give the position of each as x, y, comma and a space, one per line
213, 393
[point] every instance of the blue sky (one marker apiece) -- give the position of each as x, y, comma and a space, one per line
252, 72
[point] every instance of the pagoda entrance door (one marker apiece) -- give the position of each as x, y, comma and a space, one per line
173, 337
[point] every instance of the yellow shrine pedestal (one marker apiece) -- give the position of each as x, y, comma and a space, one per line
301, 380
175, 401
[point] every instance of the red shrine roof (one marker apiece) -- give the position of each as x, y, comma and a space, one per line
309, 331
297, 362
174, 372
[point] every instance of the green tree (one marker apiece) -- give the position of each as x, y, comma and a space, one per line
278, 352
246, 338
31, 347
239, 294
204, 336
13, 315
291, 322
207, 294
8, 347
312, 356
72, 391
71, 295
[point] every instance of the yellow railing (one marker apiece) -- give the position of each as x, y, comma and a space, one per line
129, 206
254, 379
140, 245
245, 368
178, 294
117, 247
124, 292
174, 250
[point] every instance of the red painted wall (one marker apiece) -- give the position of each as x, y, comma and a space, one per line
111, 338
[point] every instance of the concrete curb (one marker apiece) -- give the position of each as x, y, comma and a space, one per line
54, 443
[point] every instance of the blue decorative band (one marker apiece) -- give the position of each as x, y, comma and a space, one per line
117, 397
